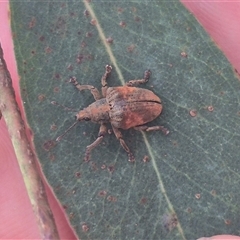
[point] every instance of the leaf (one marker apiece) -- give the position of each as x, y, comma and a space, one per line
189, 188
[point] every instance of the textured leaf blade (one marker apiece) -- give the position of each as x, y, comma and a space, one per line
193, 172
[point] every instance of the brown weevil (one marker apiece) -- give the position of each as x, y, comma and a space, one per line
123, 107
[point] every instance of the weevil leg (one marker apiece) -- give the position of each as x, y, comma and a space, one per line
102, 132
108, 70
153, 128
145, 79
96, 94
119, 136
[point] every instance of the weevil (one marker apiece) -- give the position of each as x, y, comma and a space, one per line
124, 107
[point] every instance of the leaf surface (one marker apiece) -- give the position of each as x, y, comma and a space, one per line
189, 188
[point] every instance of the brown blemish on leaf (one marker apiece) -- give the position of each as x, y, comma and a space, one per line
32, 23
77, 174
73, 14
60, 26
83, 44
86, 13
170, 221
102, 193
80, 58
93, 165
52, 157
131, 160
89, 57
146, 159
184, 54
56, 90
131, 48
227, 221
111, 168
103, 167
85, 227
42, 38
120, 10
41, 97
143, 201
93, 22
49, 145
134, 9
70, 67
210, 108
57, 188
64, 206
197, 195
111, 198
53, 127
89, 34
193, 113
48, 50
122, 24
109, 40
213, 193
189, 210
137, 19
57, 76
71, 215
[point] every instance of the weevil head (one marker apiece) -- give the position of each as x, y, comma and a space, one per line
83, 115
97, 112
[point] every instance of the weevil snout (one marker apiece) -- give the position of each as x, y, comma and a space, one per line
83, 115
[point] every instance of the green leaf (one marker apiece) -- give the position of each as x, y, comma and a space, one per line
193, 172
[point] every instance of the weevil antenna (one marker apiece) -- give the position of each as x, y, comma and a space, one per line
58, 139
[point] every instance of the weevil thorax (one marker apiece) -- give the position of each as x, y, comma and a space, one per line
97, 112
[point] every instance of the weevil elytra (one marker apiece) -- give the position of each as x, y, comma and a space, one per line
123, 107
